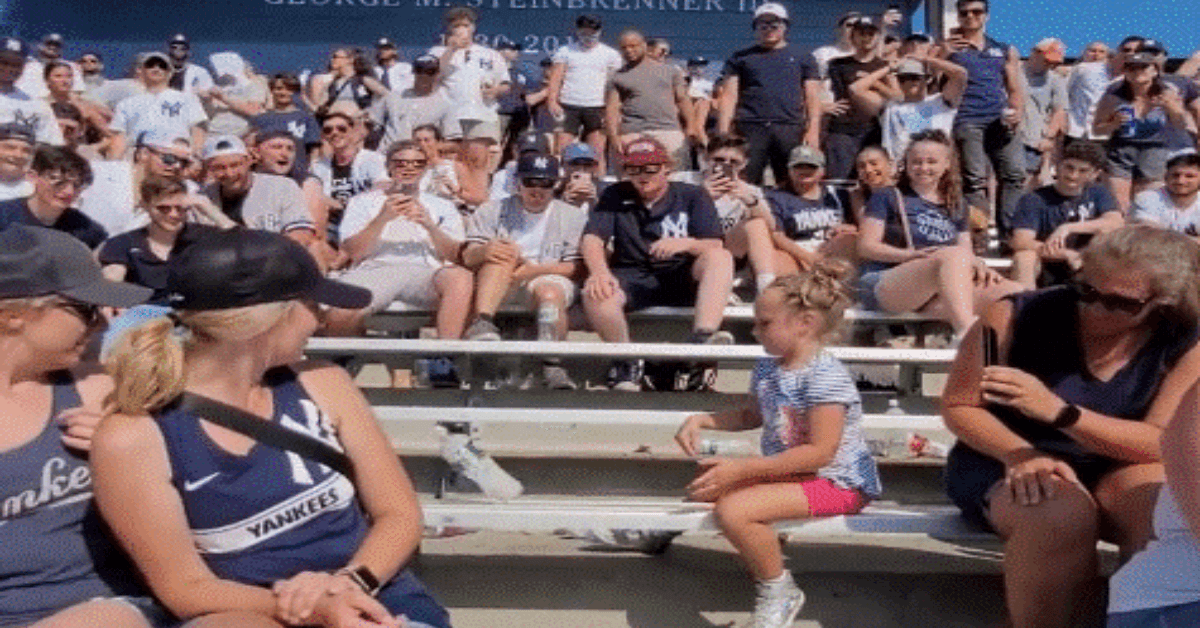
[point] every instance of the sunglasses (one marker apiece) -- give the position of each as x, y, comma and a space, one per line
539, 182
88, 313
408, 163
726, 161
633, 171
763, 25
330, 130
59, 182
1088, 293
171, 160
167, 208
156, 64
425, 71
903, 78
970, 12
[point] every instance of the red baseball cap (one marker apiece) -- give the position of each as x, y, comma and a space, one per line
644, 151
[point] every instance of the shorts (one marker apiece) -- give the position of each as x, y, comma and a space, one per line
522, 295
668, 287
826, 499
867, 282
406, 595
971, 475
1132, 162
1179, 616
410, 283
151, 610
579, 121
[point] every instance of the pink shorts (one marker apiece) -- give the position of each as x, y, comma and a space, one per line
826, 499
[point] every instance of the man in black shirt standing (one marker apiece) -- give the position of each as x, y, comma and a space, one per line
58, 176
850, 132
773, 92
666, 251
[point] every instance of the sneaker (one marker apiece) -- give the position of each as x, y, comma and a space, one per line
483, 330
719, 337
442, 373
625, 375
777, 604
555, 377
702, 376
478, 467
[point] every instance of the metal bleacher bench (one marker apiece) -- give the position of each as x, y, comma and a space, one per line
410, 419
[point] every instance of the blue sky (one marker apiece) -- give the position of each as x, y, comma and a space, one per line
1023, 23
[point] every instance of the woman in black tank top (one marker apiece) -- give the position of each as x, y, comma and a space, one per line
57, 562
1058, 399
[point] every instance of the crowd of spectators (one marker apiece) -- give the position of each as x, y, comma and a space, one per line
467, 180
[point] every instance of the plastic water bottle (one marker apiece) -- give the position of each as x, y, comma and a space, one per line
547, 321
728, 448
893, 408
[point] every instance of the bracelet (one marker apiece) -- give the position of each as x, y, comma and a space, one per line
362, 577
1067, 417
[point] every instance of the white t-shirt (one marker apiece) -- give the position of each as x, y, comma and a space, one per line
1088, 83
1155, 207
900, 120
700, 88
109, 200
464, 76
20, 189
196, 78
399, 76
34, 113
1167, 572
367, 168
169, 111
587, 73
402, 240
33, 83
825, 54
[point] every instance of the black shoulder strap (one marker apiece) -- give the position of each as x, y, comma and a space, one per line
267, 432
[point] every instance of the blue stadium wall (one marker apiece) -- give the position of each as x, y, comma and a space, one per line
294, 34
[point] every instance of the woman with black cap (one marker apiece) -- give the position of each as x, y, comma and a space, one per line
58, 565
254, 530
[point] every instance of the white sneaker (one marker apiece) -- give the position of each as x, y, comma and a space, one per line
777, 604
479, 468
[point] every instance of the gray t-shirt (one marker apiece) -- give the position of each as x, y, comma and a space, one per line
400, 113
1043, 93
546, 238
274, 203
223, 120
1155, 207
647, 91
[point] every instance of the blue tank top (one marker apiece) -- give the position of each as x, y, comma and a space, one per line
55, 551
270, 514
1045, 343
986, 93
1147, 131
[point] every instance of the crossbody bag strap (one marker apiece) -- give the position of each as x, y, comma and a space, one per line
267, 432
908, 239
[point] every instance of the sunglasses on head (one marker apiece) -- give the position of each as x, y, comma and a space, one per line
647, 169
1088, 293
538, 182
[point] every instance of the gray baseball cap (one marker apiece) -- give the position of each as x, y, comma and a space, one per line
36, 261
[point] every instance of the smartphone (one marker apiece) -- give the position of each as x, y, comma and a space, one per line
991, 347
725, 170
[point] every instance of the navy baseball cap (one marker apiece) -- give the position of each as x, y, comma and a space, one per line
579, 151
17, 131
36, 261
533, 143
243, 267
537, 167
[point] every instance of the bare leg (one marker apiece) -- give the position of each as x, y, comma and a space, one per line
235, 619
107, 613
608, 317
491, 284
947, 273
746, 515
1026, 266
1122, 190
1127, 497
599, 143
1049, 554
454, 286
713, 270
341, 322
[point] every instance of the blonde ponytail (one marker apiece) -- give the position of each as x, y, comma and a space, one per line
146, 365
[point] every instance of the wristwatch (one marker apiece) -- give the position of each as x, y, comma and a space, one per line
1067, 417
361, 576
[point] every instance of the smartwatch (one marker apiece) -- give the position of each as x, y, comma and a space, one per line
361, 576
1067, 417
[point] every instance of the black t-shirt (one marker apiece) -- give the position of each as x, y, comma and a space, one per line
72, 221
132, 250
231, 206
1045, 209
771, 83
685, 211
843, 72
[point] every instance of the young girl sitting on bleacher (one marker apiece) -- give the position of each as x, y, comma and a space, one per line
815, 462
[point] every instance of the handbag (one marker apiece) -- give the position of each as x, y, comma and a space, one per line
267, 432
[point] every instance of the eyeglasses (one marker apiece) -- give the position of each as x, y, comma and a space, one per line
60, 182
539, 182
170, 160
972, 12
634, 171
168, 208
88, 313
1088, 293
335, 128
408, 163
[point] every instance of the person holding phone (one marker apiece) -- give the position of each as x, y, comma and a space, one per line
1058, 439
141, 256
403, 245
582, 183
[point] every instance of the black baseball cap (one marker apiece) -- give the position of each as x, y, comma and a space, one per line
426, 63
180, 39
36, 262
507, 44
385, 42
243, 267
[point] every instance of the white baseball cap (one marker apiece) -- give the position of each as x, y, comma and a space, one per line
773, 9
224, 145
